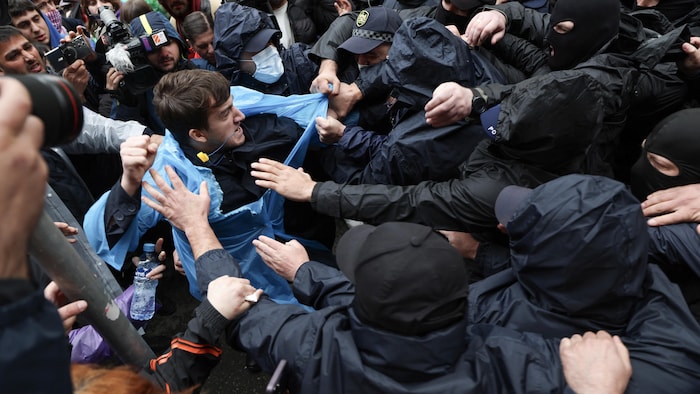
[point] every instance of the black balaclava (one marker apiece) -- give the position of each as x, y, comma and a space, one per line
672, 9
675, 138
595, 23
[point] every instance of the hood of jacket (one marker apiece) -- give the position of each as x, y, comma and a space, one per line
154, 21
423, 55
242, 23
564, 112
579, 247
409, 358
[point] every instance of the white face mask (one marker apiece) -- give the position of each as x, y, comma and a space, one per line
268, 65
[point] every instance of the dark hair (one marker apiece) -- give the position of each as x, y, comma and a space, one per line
93, 23
20, 7
132, 9
195, 24
7, 32
182, 99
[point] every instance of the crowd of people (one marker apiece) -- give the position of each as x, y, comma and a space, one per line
434, 196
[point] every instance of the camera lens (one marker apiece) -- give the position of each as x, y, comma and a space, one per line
57, 104
70, 54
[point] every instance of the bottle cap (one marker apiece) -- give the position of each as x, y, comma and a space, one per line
149, 248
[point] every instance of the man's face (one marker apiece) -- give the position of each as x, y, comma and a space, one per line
45, 6
225, 126
375, 56
204, 46
95, 5
178, 8
19, 56
33, 26
166, 57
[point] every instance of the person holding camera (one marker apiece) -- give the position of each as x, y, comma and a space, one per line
29, 323
133, 90
100, 135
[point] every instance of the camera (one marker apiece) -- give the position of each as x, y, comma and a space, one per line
128, 53
65, 54
57, 104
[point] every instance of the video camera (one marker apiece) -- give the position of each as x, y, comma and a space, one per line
128, 53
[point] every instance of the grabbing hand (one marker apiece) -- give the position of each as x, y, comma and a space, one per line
326, 81
114, 79
228, 295
595, 363
691, 63
67, 311
465, 243
342, 103
679, 204
157, 272
67, 230
329, 129
78, 76
342, 7
138, 154
450, 103
484, 25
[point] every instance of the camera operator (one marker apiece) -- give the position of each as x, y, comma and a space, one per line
100, 138
134, 90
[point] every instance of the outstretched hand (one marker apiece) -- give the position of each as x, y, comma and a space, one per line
180, 206
283, 258
679, 204
295, 185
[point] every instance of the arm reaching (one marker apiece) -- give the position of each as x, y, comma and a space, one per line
184, 209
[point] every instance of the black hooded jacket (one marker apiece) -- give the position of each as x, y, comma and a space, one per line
579, 249
413, 151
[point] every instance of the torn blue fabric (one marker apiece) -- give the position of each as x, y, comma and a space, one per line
236, 229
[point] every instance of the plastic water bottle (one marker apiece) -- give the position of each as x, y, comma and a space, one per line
143, 303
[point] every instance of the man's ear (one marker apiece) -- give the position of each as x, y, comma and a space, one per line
198, 135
